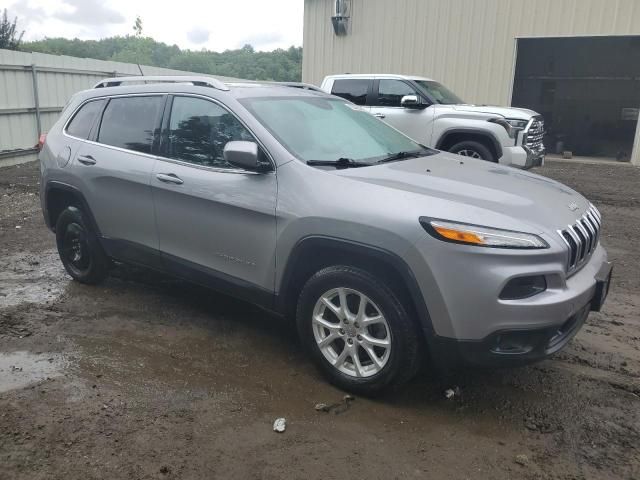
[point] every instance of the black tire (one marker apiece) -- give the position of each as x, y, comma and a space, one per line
79, 249
473, 147
404, 358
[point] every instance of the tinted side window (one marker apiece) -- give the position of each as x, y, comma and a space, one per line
355, 90
128, 122
83, 120
199, 130
390, 92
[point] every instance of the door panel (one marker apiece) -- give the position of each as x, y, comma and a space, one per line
117, 189
415, 123
116, 169
209, 213
222, 221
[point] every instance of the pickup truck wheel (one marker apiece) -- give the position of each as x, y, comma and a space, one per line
357, 331
81, 253
472, 149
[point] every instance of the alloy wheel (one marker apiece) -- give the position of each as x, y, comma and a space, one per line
469, 153
351, 332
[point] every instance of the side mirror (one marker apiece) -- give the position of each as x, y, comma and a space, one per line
241, 154
411, 101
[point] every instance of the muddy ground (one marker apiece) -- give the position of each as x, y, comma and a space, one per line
147, 377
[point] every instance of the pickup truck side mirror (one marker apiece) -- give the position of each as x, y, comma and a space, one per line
412, 101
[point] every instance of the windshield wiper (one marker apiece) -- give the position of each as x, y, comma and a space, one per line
402, 155
340, 163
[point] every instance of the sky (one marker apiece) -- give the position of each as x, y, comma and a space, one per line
206, 24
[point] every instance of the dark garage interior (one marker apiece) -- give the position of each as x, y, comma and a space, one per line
587, 89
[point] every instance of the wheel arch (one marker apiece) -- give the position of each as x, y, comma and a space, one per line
455, 135
58, 196
315, 252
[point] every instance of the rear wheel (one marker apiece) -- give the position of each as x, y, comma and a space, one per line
79, 249
473, 149
356, 330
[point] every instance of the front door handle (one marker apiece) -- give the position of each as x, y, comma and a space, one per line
379, 115
169, 178
86, 160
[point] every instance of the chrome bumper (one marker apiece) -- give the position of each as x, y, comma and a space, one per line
535, 158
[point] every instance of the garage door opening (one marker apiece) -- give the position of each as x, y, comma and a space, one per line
588, 90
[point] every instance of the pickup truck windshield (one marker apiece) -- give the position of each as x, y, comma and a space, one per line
439, 92
317, 129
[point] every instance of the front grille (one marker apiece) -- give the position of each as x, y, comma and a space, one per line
535, 135
582, 238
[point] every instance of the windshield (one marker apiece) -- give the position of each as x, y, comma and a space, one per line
328, 129
439, 92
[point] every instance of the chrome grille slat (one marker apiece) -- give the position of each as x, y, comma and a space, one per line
582, 238
535, 134
589, 234
592, 232
594, 226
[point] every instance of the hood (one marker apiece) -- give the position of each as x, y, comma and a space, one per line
506, 112
474, 191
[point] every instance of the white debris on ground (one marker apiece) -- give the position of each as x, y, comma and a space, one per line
280, 425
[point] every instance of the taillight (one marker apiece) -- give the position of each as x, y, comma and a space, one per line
41, 140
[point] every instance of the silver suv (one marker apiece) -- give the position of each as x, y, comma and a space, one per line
385, 252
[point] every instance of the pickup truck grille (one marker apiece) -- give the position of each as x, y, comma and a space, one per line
582, 238
535, 135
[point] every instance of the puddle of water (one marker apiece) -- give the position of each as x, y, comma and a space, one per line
19, 369
28, 278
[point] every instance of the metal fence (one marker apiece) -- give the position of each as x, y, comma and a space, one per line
34, 88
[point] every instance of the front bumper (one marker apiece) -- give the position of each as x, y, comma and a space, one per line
509, 348
522, 157
519, 346
462, 287
535, 158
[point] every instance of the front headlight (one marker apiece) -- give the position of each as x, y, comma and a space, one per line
481, 236
511, 125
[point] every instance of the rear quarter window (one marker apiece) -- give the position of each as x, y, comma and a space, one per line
81, 123
355, 90
130, 122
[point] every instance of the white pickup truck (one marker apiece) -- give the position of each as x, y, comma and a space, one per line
429, 113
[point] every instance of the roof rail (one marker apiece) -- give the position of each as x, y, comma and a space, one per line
200, 81
258, 83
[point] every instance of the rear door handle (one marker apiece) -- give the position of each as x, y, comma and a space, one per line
379, 115
169, 178
86, 160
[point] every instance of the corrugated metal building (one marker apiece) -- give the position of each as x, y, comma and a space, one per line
551, 55
34, 87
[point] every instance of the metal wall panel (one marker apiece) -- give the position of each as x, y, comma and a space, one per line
18, 130
469, 45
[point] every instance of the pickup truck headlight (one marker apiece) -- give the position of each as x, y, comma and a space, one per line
511, 125
480, 236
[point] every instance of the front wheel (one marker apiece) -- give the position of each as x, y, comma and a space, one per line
473, 149
357, 331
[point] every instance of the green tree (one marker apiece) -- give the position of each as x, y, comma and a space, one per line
245, 62
9, 38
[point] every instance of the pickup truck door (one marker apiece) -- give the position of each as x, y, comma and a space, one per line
416, 123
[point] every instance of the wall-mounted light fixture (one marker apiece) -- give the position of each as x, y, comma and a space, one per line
341, 15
